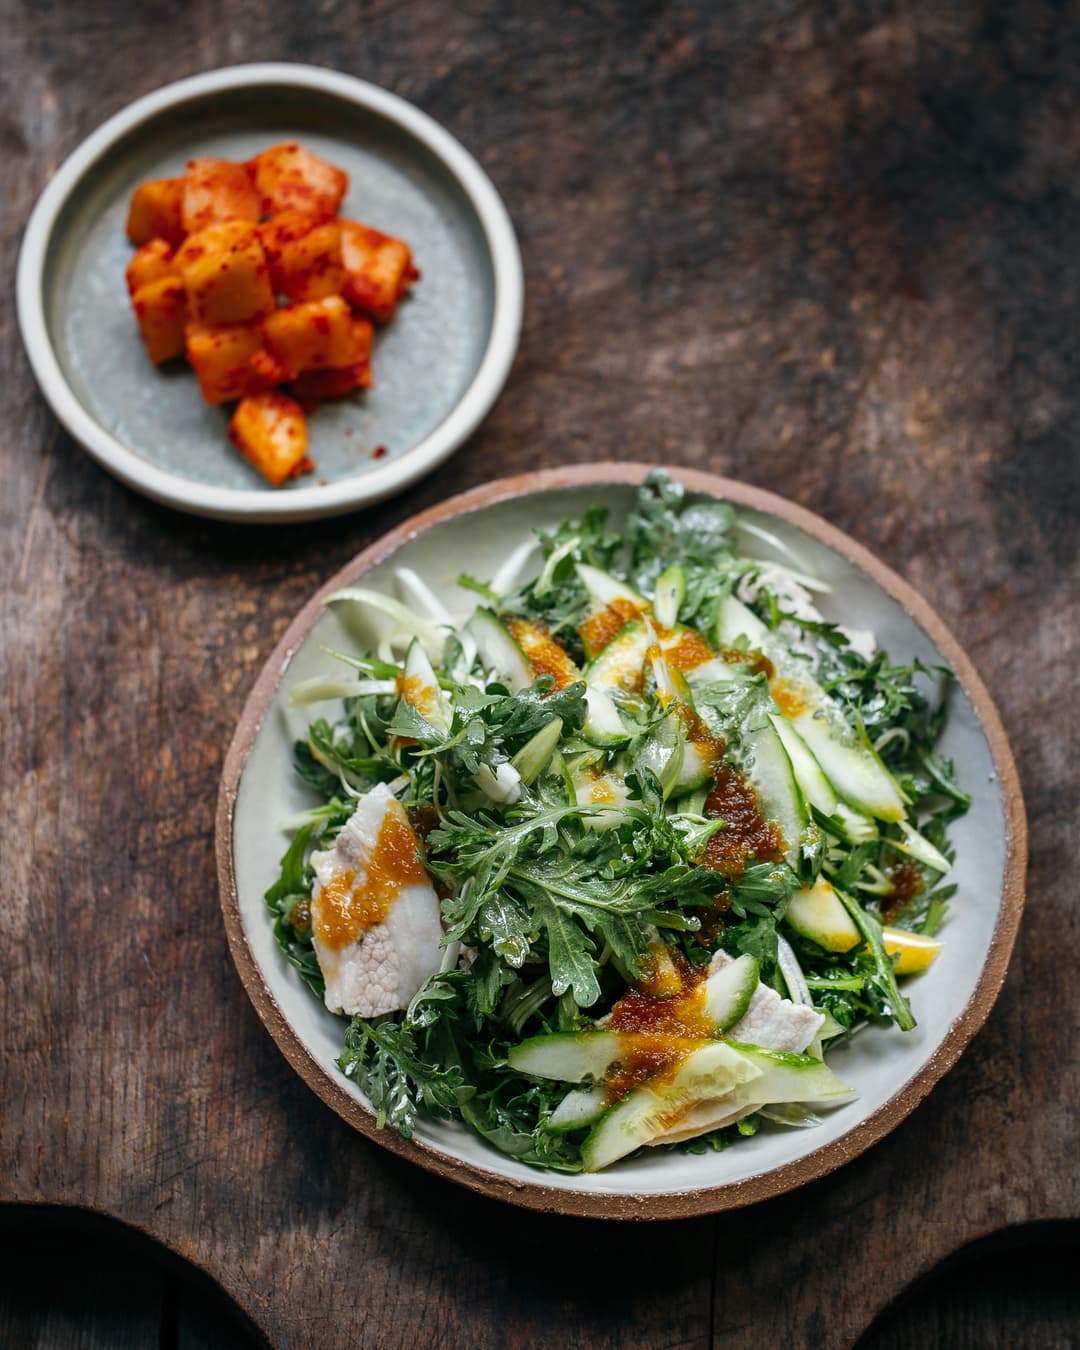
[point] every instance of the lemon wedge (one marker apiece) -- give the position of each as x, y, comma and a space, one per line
916, 952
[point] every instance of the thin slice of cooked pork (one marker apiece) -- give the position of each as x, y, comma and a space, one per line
772, 1022
374, 913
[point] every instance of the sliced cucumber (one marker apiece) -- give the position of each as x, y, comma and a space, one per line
620, 664
577, 1109
818, 914
534, 756
421, 690
734, 621
711, 1071
603, 725
669, 594
662, 753
592, 787
716, 671
566, 1056
573, 1056
499, 653
921, 849
612, 605
603, 588
665, 761
787, 1077
849, 763
542, 652
698, 767
816, 788
831, 1028
705, 1117
852, 768
769, 770
672, 685
728, 991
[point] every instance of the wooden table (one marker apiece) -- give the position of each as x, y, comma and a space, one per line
830, 250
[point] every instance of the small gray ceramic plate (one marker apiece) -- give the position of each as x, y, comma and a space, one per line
438, 367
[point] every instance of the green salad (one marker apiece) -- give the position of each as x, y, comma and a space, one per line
611, 858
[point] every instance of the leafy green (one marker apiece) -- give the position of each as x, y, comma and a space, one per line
553, 903
383, 1059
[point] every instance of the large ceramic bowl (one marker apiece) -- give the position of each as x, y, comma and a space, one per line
891, 1071
438, 366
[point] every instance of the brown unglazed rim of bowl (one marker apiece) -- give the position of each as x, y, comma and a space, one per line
670, 1204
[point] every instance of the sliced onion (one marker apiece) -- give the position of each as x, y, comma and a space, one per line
798, 990
421, 597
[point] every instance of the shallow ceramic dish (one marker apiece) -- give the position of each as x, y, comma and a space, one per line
891, 1071
438, 367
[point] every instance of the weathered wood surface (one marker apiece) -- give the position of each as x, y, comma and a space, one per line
828, 249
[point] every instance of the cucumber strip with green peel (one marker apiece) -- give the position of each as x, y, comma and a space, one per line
669, 594
621, 662
733, 620
609, 598
672, 682
769, 770
662, 753
852, 768
816, 788
852, 826
847, 759
577, 1109
603, 725
831, 1029
499, 653
534, 756
784, 1076
710, 1071
728, 991
421, 688
603, 588
705, 1117
607, 791
698, 767
664, 761
921, 849
573, 1056
566, 1056
818, 913
716, 671
870, 928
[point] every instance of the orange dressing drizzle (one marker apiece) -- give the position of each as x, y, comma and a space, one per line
748, 836
758, 662
542, 651
345, 910
690, 651
599, 628
658, 1031
417, 694
789, 697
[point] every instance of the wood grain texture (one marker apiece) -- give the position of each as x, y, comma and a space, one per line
829, 249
